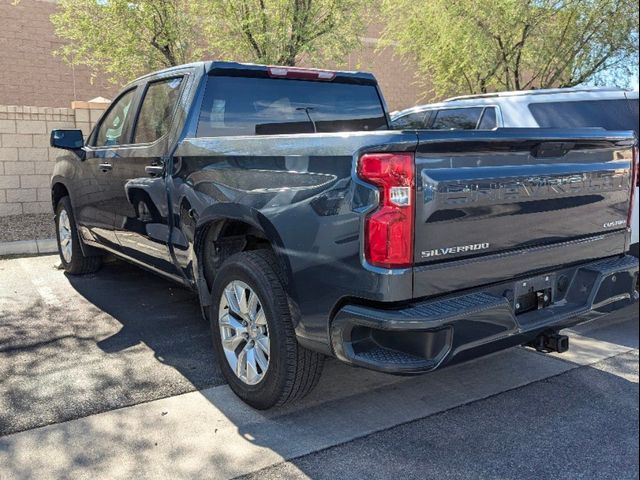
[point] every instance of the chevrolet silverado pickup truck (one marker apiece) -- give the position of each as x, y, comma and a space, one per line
309, 228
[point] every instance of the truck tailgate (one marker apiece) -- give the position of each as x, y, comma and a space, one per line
498, 204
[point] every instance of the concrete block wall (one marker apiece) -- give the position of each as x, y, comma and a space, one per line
26, 160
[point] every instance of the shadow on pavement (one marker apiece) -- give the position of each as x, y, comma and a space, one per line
136, 338
140, 338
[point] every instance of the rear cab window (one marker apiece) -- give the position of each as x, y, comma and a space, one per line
235, 106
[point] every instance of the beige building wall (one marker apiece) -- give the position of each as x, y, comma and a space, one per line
397, 77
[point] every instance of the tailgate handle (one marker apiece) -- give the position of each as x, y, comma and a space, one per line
552, 149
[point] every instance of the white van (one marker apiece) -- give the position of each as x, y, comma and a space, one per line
610, 108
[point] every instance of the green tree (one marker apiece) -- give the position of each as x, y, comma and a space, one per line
126, 38
284, 31
476, 46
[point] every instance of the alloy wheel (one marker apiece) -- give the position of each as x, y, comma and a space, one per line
244, 332
65, 237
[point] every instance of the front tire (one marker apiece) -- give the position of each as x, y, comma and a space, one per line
253, 333
73, 259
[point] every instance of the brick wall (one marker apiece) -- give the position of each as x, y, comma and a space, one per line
31, 75
26, 160
396, 77
29, 72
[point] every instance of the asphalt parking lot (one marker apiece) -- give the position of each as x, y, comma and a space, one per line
112, 375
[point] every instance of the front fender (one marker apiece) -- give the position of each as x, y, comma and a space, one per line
65, 172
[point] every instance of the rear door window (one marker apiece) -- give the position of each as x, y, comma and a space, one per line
489, 119
608, 114
157, 110
457, 119
267, 106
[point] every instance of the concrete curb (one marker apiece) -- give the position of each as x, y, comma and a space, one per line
29, 247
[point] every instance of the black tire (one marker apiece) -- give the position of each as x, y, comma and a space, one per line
293, 370
78, 264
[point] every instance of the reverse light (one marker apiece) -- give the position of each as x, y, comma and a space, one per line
389, 228
301, 73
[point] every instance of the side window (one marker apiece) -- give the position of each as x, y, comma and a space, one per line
489, 119
608, 114
113, 125
410, 121
157, 110
457, 119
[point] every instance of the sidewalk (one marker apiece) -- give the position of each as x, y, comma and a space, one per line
28, 247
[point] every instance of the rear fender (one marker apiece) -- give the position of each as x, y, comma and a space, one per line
215, 214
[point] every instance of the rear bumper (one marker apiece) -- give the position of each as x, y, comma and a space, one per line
427, 335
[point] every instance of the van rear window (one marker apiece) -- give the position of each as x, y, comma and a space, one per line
608, 114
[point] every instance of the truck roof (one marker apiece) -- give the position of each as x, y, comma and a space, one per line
253, 69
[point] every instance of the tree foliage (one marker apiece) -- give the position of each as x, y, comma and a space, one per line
282, 31
125, 38
475, 46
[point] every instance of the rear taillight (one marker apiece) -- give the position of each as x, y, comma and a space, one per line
389, 228
634, 183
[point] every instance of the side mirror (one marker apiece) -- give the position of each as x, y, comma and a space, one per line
67, 139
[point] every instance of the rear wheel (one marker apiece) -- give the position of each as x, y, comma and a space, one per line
253, 333
73, 259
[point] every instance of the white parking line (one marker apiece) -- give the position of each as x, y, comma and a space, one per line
42, 284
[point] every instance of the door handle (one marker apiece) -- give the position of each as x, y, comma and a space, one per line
105, 167
154, 170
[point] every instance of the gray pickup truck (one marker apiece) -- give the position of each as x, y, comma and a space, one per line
309, 228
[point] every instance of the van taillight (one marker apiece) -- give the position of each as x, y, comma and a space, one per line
634, 183
389, 229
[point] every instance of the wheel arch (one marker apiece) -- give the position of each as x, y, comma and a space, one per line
225, 229
59, 189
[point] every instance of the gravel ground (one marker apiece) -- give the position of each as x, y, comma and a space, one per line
27, 227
